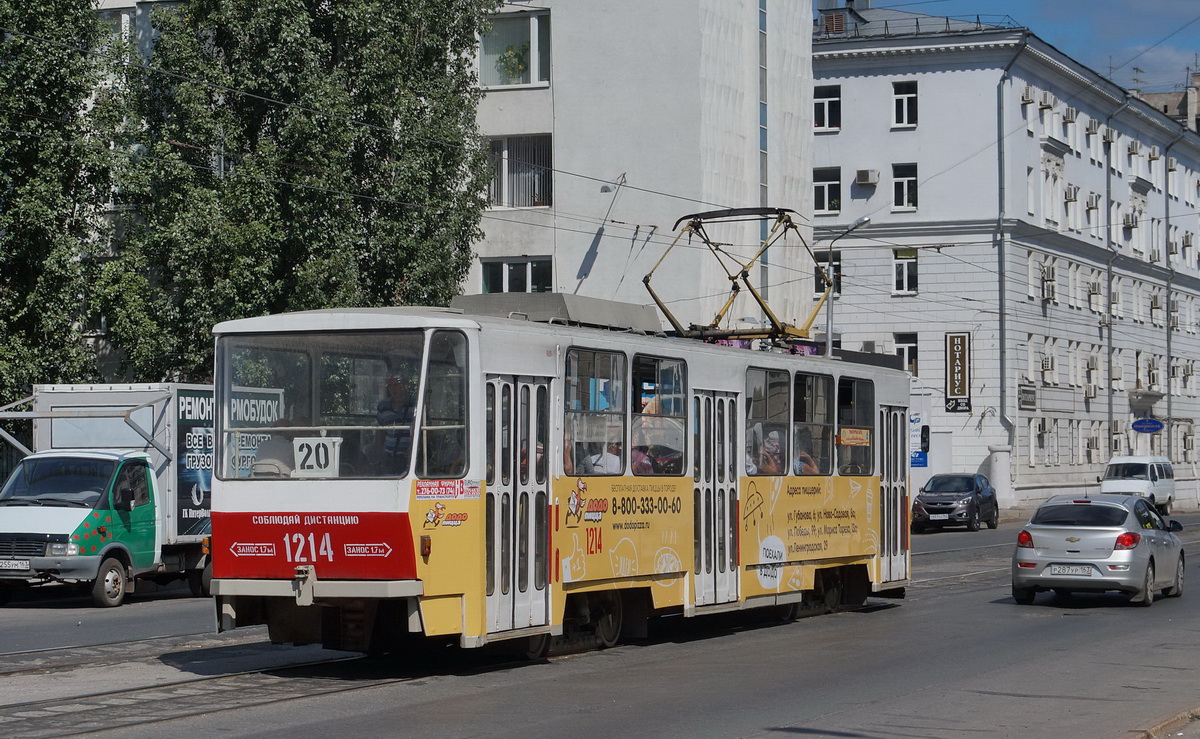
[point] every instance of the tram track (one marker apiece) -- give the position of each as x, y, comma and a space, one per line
122, 709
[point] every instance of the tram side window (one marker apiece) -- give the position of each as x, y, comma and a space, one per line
594, 413
443, 439
767, 422
856, 421
812, 425
658, 405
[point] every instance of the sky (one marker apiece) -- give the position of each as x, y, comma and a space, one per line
1161, 38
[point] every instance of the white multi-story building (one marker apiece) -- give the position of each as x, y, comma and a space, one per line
1032, 248
611, 120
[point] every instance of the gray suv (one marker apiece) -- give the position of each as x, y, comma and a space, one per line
959, 499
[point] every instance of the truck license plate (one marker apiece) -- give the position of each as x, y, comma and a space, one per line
14, 564
1078, 570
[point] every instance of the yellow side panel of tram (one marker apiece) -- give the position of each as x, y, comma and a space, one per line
628, 531
451, 514
788, 520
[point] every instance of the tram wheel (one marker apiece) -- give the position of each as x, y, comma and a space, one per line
537, 647
608, 614
831, 590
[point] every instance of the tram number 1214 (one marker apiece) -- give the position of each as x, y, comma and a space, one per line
300, 548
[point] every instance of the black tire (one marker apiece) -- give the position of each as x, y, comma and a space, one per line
200, 581
608, 615
1164, 509
1023, 596
1176, 590
1145, 596
973, 521
111, 585
994, 521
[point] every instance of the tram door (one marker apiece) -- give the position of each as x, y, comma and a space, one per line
893, 494
715, 495
517, 501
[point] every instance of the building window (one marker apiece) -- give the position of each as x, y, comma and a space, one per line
827, 113
516, 51
906, 349
827, 185
517, 276
904, 99
904, 186
905, 261
823, 268
522, 171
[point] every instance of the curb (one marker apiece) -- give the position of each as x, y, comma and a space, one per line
1160, 727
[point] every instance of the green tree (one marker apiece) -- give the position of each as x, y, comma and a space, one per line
299, 154
53, 186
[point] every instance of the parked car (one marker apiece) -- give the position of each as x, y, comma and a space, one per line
1098, 544
955, 500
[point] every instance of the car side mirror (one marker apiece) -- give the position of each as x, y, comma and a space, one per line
1174, 526
124, 499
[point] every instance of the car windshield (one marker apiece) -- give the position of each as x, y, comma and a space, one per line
1079, 514
1127, 471
949, 484
58, 481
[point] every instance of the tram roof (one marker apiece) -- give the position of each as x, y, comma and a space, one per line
349, 319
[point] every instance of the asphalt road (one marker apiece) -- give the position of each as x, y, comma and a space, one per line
955, 658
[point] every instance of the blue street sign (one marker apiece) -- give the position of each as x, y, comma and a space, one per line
1147, 425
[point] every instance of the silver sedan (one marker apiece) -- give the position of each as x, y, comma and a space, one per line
1096, 544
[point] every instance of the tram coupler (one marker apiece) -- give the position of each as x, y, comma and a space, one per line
304, 583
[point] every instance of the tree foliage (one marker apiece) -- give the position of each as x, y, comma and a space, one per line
54, 182
291, 155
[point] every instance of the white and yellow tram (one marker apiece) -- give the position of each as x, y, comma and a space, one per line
388, 473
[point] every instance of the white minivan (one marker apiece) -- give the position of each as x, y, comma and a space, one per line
1149, 477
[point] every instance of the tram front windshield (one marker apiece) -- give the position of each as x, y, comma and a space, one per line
338, 405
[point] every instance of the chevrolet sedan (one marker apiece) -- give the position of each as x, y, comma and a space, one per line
1097, 544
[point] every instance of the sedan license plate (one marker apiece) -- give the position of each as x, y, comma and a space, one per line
14, 564
1077, 570
938, 516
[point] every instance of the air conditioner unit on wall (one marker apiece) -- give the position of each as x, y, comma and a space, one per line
1156, 254
1172, 164
1187, 240
1135, 146
1090, 390
1049, 290
1109, 135
1093, 362
1070, 115
1156, 302
1047, 100
1154, 153
1071, 194
1189, 443
1047, 363
1093, 442
1172, 247
1118, 426
1027, 94
866, 177
1093, 287
1130, 220
1093, 126
1093, 201
1043, 426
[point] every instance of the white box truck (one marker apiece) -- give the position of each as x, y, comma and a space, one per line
115, 490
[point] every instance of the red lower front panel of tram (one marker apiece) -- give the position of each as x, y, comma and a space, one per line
339, 546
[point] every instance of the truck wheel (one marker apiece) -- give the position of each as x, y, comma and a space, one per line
109, 587
200, 581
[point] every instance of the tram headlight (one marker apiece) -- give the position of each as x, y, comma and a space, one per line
63, 549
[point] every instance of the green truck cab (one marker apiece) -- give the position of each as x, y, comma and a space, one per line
118, 490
